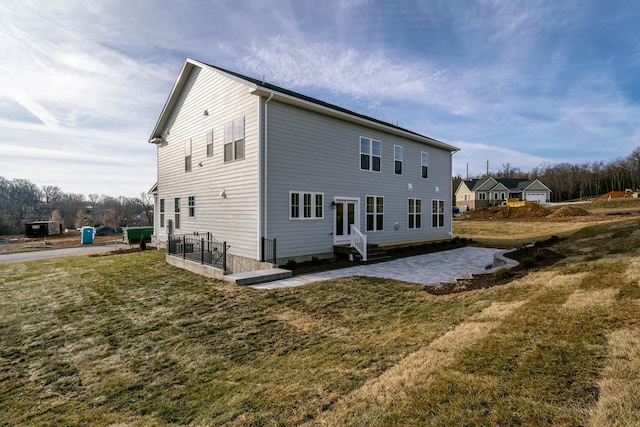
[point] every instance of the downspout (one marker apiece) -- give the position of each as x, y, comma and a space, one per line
266, 154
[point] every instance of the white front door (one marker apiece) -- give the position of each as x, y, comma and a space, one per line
346, 213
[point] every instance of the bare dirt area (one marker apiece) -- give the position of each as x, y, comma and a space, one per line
535, 213
19, 243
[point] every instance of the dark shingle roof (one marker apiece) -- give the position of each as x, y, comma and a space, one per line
514, 185
316, 101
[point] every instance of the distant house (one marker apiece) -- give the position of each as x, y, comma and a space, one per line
479, 193
241, 160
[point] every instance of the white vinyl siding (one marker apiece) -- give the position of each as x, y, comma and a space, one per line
226, 100
302, 150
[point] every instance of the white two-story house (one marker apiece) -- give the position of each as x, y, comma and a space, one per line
245, 160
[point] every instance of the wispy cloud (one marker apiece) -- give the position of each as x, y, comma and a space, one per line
519, 82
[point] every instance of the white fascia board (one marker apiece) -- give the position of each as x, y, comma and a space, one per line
171, 101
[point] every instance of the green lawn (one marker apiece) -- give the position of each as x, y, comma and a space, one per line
129, 340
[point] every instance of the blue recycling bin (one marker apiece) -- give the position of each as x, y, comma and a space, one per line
86, 235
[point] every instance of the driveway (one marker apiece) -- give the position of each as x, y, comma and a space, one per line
427, 269
56, 253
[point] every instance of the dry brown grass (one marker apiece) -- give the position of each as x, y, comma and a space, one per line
620, 384
129, 340
513, 233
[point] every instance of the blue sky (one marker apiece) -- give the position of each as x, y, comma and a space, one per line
521, 82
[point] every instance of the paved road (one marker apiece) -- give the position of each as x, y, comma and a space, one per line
56, 253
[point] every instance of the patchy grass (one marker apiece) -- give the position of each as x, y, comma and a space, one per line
129, 340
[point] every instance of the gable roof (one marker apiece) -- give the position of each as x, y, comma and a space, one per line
261, 88
515, 185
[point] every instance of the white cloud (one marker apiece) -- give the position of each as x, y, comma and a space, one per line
517, 82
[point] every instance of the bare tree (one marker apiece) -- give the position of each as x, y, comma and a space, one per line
147, 205
110, 217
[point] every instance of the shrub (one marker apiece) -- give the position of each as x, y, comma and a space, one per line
539, 257
143, 244
291, 264
502, 273
314, 260
527, 262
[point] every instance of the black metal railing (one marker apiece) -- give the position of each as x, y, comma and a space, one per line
196, 247
269, 250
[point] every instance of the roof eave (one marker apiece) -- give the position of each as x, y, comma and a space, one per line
288, 99
156, 135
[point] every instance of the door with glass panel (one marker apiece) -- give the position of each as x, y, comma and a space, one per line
346, 213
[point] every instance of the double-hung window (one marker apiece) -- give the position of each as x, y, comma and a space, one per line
306, 205
187, 155
234, 140
161, 212
370, 152
437, 213
192, 206
414, 210
397, 159
210, 143
375, 213
424, 162
176, 211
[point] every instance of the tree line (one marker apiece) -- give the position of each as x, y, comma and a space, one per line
22, 201
581, 180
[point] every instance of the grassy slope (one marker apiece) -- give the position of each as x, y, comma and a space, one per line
128, 339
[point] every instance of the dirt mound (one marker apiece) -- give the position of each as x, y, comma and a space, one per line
613, 195
569, 211
506, 212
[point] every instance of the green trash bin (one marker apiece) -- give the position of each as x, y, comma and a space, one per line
86, 235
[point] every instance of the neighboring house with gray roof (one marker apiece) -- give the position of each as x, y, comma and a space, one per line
479, 193
245, 160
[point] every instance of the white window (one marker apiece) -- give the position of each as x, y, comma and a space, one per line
234, 140
210, 143
375, 213
437, 213
482, 196
370, 152
306, 205
187, 155
424, 162
161, 212
397, 159
414, 210
176, 210
192, 206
